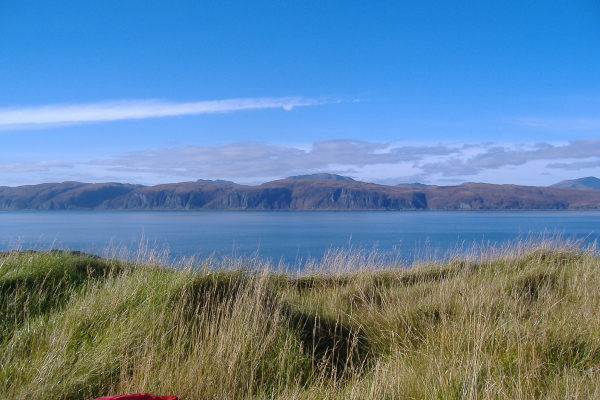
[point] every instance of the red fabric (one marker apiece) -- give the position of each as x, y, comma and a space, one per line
137, 396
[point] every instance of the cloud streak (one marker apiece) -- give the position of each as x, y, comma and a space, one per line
58, 114
576, 166
35, 166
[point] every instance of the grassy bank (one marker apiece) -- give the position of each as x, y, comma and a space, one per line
519, 326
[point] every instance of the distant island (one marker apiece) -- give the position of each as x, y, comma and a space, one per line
304, 192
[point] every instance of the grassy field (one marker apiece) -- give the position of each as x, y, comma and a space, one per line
515, 325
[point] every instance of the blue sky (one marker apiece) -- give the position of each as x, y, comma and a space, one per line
388, 91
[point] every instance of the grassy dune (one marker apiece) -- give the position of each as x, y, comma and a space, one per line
521, 325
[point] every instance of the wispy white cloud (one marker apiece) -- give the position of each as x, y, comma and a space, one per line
32, 166
58, 114
576, 166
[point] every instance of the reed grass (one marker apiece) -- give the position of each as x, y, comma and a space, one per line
512, 323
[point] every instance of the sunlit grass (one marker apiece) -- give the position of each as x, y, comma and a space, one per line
519, 323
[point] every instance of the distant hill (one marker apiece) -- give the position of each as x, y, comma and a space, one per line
321, 177
413, 185
294, 193
589, 182
60, 196
217, 181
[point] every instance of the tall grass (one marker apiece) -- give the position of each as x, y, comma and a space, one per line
519, 323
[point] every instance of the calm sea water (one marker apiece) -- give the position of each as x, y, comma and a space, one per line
287, 236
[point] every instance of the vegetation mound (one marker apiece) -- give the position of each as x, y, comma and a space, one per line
75, 326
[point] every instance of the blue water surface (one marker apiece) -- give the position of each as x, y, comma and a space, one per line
287, 236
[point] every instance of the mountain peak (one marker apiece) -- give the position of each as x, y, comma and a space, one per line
413, 185
221, 181
589, 182
322, 177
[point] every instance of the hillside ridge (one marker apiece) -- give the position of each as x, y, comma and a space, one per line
294, 193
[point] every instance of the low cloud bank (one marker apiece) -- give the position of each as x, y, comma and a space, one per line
388, 163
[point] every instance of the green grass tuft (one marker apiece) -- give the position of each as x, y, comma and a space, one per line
520, 325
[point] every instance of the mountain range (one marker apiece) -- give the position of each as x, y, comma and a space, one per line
305, 192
